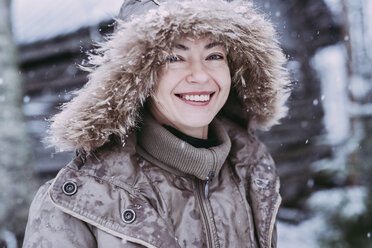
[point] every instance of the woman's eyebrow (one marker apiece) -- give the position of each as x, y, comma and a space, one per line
213, 44
208, 46
181, 47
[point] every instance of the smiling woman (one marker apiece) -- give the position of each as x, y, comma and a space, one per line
160, 162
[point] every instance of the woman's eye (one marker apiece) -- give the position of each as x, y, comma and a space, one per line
173, 59
215, 57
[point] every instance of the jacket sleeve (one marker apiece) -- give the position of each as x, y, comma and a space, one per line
49, 227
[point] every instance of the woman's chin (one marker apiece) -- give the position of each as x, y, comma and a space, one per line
195, 122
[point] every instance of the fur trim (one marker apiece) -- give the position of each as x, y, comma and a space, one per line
124, 70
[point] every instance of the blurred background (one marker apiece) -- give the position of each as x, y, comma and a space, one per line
323, 150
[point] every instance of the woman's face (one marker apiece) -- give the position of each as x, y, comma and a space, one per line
192, 87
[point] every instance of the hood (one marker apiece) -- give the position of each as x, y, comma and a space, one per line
123, 70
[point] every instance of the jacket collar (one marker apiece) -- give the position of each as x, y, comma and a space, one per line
171, 151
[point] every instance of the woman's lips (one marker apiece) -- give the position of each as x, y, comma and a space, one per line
200, 98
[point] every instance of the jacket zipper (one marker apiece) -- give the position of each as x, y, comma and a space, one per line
202, 195
204, 214
210, 175
206, 186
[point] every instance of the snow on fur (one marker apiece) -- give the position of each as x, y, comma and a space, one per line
123, 73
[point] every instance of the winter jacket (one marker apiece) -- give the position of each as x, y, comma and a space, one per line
154, 193
134, 184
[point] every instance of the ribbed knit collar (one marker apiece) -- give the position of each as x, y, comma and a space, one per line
195, 142
166, 148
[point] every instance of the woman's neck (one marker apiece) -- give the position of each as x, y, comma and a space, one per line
196, 132
195, 142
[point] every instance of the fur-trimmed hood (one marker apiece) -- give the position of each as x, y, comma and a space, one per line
123, 71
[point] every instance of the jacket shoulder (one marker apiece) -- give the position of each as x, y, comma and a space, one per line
104, 190
246, 148
112, 162
48, 226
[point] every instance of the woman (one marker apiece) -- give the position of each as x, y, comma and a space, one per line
155, 166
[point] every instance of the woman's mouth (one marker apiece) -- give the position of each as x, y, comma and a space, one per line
196, 98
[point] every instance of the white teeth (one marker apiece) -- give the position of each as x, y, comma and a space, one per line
196, 98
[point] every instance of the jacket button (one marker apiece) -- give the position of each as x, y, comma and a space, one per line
69, 188
128, 216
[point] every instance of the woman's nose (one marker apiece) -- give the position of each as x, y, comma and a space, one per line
198, 73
